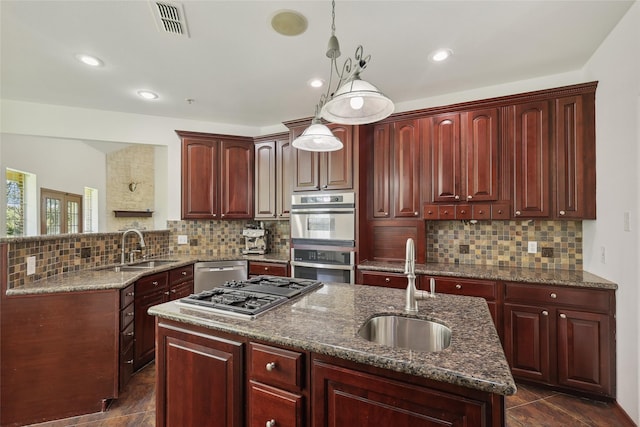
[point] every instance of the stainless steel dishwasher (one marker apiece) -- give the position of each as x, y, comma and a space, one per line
211, 274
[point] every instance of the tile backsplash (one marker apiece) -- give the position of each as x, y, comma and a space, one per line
504, 243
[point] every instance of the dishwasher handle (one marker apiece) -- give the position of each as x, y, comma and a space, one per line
232, 268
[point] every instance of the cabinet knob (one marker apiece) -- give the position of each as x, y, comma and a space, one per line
173, 291
325, 186
386, 279
469, 197
266, 269
130, 294
155, 283
553, 295
518, 213
429, 212
545, 313
562, 212
271, 423
563, 316
270, 366
184, 273
456, 197
221, 215
130, 334
481, 211
458, 286
130, 362
130, 314
462, 211
500, 211
385, 213
415, 213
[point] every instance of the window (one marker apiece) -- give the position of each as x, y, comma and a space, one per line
22, 204
90, 210
60, 212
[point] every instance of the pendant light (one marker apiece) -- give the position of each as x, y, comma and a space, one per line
353, 102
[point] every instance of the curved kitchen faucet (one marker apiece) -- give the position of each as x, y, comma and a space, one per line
124, 235
413, 295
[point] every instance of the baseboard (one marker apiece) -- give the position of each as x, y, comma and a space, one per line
623, 415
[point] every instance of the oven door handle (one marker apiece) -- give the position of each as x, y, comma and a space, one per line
323, 211
325, 266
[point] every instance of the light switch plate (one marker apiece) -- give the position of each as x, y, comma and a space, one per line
182, 239
31, 265
532, 248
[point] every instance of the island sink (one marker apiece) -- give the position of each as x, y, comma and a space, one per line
406, 332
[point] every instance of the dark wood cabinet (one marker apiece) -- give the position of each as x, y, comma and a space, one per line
217, 176
382, 278
257, 268
200, 377
332, 170
561, 336
381, 177
127, 333
273, 173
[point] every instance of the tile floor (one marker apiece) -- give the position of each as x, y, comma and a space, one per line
530, 407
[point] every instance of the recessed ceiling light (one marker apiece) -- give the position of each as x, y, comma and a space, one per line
440, 55
289, 23
89, 60
147, 94
316, 83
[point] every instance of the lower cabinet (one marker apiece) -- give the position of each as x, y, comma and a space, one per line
382, 278
200, 378
564, 337
127, 332
257, 268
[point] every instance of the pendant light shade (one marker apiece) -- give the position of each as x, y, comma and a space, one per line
357, 102
317, 137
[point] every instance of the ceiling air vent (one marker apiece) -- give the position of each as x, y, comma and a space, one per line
170, 18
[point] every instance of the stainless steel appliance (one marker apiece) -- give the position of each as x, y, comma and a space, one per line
255, 240
249, 298
211, 274
323, 237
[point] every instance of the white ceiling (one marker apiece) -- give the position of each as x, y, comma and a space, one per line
239, 71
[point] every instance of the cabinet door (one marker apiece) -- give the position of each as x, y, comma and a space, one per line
336, 167
480, 136
531, 148
145, 334
406, 169
306, 165
381, 171
284, 175
181, 290
527, 341
199, 179
574, 149
265, 180
446, 157
584, 351
272, 406
344, 398
236, 180
200, 380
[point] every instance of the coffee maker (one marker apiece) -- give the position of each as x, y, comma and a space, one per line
255, 240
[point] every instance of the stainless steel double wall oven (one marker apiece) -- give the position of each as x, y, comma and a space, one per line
323, 237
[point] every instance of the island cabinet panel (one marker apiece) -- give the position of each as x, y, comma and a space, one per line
217, 176
199, 378
346, 397
333, 170
561, 336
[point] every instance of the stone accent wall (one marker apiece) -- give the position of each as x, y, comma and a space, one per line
504, 243
132, 165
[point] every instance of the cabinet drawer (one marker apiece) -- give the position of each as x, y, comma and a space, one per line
180, 274
126, 316
127, 296
391, 280
276, 366
481, 212
267, 404
151, 283
500, 211
590, 299
126, 336
472, 288
274, 269
126, 367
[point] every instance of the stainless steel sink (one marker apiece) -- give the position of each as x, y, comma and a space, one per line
406, 332
144, 265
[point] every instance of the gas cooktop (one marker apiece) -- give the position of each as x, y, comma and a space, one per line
249, 298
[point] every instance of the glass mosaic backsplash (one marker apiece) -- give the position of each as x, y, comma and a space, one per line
505, 243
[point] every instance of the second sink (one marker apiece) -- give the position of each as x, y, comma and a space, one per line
406, 332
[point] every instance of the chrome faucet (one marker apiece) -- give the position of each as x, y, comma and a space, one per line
124, 235
413, 295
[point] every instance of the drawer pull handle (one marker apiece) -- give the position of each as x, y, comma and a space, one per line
563, 316
130, 334
131, 313
518, 213
553, 295
266, 269
129, 294
155, 283
457, 197
271, 423
184, 273
173, 291
130, 362
469, 197
166, 293
480, 211
386, 279
270, 366
458, 286
545, 313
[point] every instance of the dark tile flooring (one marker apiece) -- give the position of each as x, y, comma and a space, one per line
530, 407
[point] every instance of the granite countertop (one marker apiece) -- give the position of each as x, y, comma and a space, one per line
326, 321
576, 278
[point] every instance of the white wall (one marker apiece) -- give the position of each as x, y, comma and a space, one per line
616, 65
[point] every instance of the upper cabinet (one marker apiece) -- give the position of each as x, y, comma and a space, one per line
217, 176
273, 173
332, 170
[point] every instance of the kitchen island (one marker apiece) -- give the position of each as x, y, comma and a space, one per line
303, 363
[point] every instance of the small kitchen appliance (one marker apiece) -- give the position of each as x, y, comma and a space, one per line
255, 240
248, 298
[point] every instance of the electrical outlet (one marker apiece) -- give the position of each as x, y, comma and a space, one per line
532, 247
547, 252
464, 249
182, 239
31, 265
